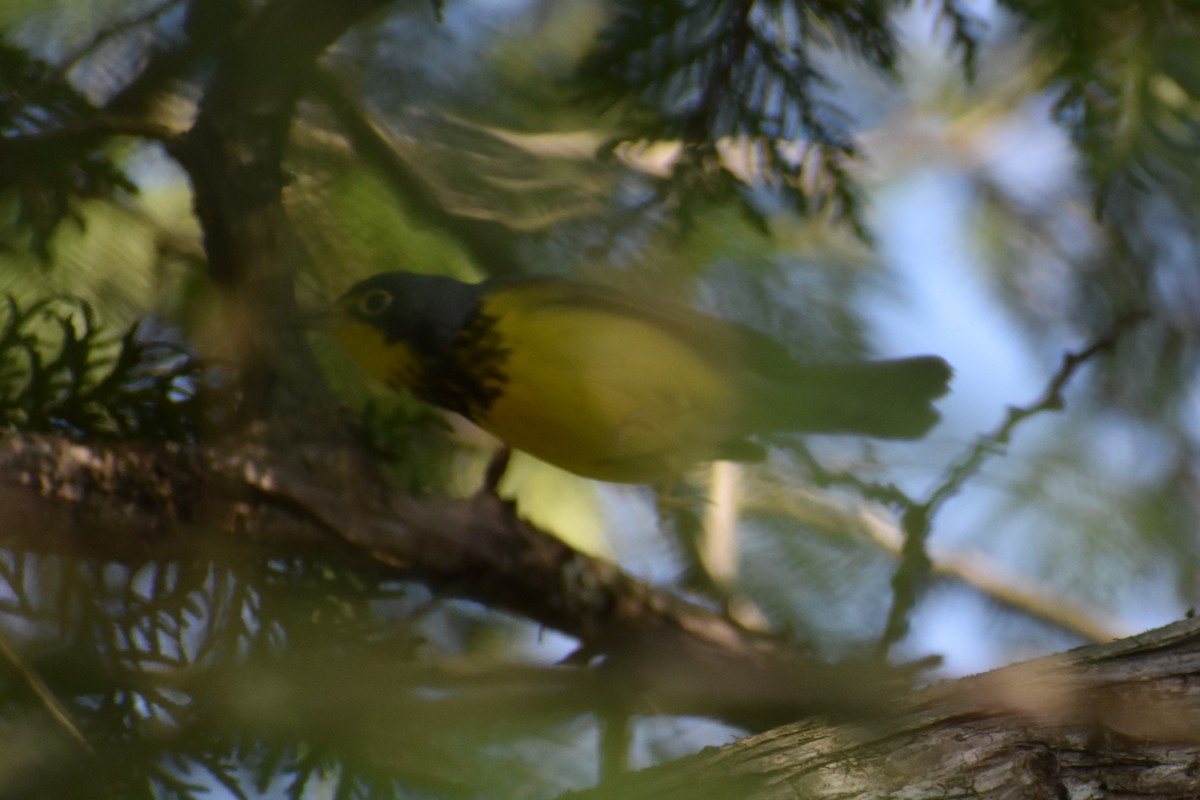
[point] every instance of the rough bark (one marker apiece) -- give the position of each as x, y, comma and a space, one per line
1118, 720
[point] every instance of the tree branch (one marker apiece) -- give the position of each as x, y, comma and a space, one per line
232, 155
54, 707
1104, 721
135, 503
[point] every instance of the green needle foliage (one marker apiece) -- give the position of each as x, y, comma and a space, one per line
704, 73
50, 157
62, 373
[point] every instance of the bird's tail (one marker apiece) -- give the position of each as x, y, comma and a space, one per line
888, 399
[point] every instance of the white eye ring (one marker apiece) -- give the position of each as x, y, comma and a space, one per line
374, 302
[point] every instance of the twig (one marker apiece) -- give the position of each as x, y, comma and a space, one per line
914, 558
1051, 400
886, 493
57, 710
825, 515
97, 125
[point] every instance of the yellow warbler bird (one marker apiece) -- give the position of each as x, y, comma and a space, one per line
613, 385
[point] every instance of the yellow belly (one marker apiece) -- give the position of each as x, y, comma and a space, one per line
606, 396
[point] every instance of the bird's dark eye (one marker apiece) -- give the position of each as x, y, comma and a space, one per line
374, 302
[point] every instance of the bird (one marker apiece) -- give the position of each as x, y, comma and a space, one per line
615, 385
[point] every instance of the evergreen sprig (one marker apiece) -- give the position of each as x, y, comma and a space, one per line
966, 30
746, 73
61, 372
1128, 89
49, 157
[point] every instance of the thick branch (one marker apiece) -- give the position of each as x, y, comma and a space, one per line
133, 503
1105, 721
232, 155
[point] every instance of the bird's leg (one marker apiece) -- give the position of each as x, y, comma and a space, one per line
705, 527
497, 466
678, 509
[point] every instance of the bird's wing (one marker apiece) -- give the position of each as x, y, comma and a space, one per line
880, 398
729, 345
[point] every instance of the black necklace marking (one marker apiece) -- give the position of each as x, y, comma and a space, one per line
468, 375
